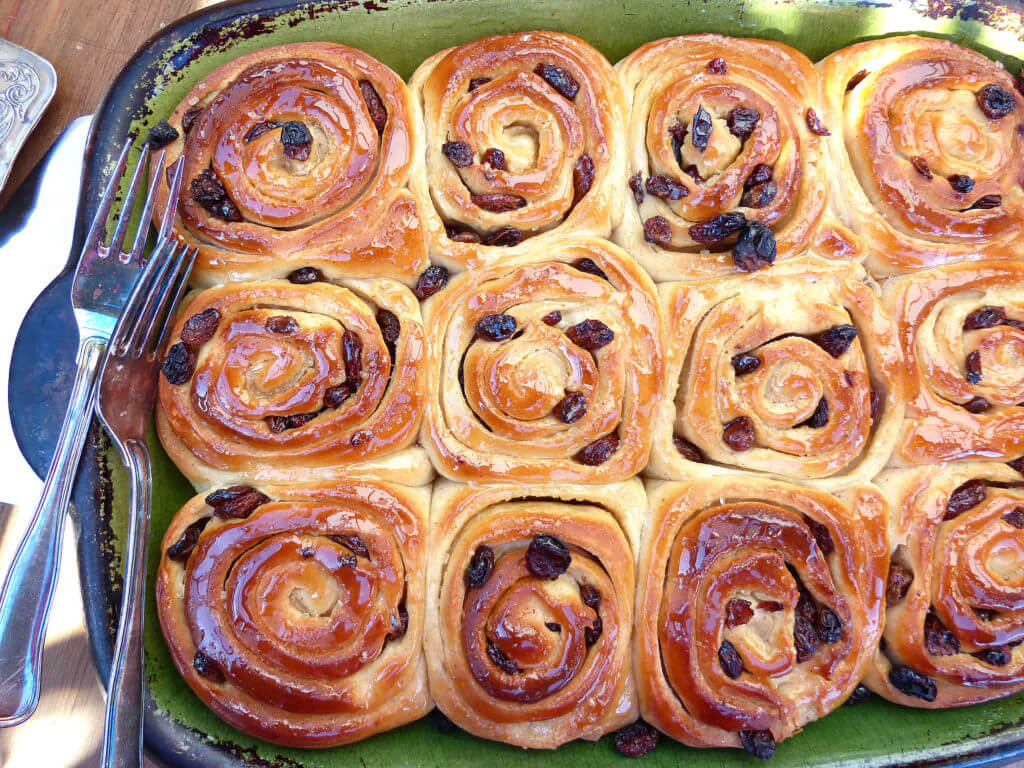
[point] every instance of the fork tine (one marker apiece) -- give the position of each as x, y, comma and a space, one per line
128, 207
171, 306
142, 231
167, 221
145, 308
131, 307
99, 221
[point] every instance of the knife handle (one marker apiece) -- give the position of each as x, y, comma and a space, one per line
30, 583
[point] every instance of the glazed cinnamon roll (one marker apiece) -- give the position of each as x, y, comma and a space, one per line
298, 156
962, 329
529, 609
523, 141
954, 619
275, 382
296, 613
727, 165
931, 157
545, 370
759, 606
794, 372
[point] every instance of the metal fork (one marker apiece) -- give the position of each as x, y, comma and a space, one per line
127, 392
103, 280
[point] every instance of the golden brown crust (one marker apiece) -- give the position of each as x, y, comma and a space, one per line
712, 540
959, 623
345, 210
917, 103
569, 683
305, 629
945, 316
543, 135
492, 405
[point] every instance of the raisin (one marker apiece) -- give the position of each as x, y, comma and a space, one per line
805, 638
591, 335
861, 694
200, 328
938, 638
283, 324
856, 80
261, 128
739, 434
179, 364
737, 613
742, 121
636, 739
759, 195
352, 542
966, 496
717, 66
717, 228
1017, 464
494, 157
277, 424
745, 363
1015, 517
432, 280
590, 267
658, 231
984, 614
921, 166
755, 247
590, 596
772, 606
995, 101
352, 352
910, 682
461, 235
458, 152
305, 276
209, 192
814, 123
498, 202
506, 236
441, 722
207, 667
897, 583
666, 188
730, 660
760, 744
592, 633
677, 131
552, 318
599, 451
360, 437
296, 140
496, 327
162, 134
874, 403
338, 394
188, 120
501, 661
761, 174
582, 177
399, 624
702, 126
236, 502
558, 79
390, 329
829, 626
636, 184
984, 317
972, 364
819, 418
805, 606
687, 450
476, 82
835, 340
479, 568
547, 557
572, 408
553, 626
182, 548
960, 183
997, 657
977, 405
821, 534
374, 105
693, 173
986, 202
307, 552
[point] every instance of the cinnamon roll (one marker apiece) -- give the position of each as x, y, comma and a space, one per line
759, 606
546, 370
275, 382
931, 157
530, 607
954, 618
523, 141
727, 165
962, 330
298, 156
296, 612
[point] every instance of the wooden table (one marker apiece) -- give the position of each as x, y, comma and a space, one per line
87, 41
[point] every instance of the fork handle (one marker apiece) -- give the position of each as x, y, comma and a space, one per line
29, 586
122, 726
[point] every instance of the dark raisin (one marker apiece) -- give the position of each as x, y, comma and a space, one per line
760, 744
759, 196
997, 657
591, 335
553, 626
374, 105
296, 140
960, 183
352, 542
277, 424
861, 694
282, 324
806, 607
479, 568
552, 318
972, 365
693, 173
496, 327
399, 624
360, 437
200, 328
897, 583
352, 352
590, 596
458, 152
702, 126
582, 177
432, 280
592, 633
498, 202
666, 188
966, 496
938, 638
910, 682
506, 236
390, 329
636, 739
821, 534
819, 418
986, 202
995, 101
717, 228
179, 364
572, 408
494, 157
677, 131
162, 134
658, 231
745, 363
261, 128
814, 123
805, 638
1015, 517
182, 548
636, 184
921, 166
590, 267
209, 192
737, 613
476, 82
761, 174
984, 317
730, 660
338, 394
558, 79
305, 276
500, 660
742, 121
835, 340
755, 247
460, 235
687, 450
874, 403
236, 502
856, 80
547, 557
717, 66
441, 722
188, 120
977, 405
207, 667
739, 434
1017, 464
599, 451
829, 626
307, 552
